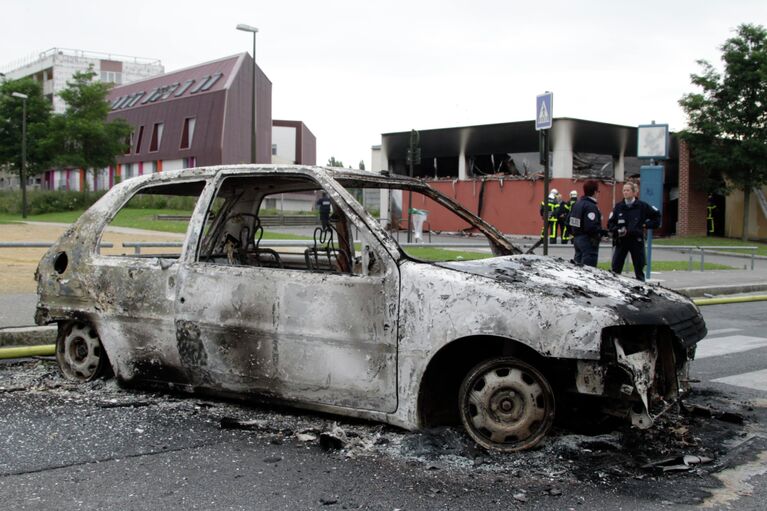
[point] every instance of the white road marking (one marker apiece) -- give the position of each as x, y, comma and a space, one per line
754, 380
712, 333
719, 346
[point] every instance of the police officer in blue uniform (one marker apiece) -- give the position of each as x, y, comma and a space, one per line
627, 222
586, 224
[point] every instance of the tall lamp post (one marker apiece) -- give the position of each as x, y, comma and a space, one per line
23, 172
254, 30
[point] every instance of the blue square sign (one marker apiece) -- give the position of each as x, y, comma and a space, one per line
544, 111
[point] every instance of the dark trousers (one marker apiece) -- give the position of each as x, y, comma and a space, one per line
634, 246
586, 251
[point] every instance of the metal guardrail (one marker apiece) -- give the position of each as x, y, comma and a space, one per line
138, 245
38, 244
710, 248
284, 220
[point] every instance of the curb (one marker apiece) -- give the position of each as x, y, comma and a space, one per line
731, 289
28, 336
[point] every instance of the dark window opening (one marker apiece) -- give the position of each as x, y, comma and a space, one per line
156, 140
138, 139
188, 132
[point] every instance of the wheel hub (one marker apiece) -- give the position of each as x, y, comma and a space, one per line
506, 404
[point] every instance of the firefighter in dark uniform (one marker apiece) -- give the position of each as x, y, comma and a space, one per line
586, 225
627, 222
710, 216
553, 204
564, 215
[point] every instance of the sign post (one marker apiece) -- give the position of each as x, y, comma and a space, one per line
543, 121
652, 144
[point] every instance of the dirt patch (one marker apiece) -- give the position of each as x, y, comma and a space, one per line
17, 265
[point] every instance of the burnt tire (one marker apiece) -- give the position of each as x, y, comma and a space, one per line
506, 404
80, 354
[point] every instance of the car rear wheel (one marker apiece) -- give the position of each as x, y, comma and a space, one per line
79, 352
506, 404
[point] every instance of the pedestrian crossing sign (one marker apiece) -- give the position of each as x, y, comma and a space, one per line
544, 111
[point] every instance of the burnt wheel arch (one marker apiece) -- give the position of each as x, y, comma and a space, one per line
439, 387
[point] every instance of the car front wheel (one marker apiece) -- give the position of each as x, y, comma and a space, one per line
79, 352
506, 404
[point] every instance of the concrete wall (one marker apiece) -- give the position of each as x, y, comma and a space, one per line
510, 205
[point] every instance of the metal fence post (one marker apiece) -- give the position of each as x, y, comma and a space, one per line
702, 259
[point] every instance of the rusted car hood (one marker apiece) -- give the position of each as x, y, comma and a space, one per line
633, 302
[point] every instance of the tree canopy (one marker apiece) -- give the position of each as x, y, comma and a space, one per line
727, 117
332, 162
82, 137
38, 118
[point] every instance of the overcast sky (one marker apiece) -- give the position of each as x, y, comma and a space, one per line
352, 70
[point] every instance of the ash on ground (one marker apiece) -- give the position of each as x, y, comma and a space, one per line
685, 442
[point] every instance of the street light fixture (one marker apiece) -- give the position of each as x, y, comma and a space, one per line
254, 30
23, 171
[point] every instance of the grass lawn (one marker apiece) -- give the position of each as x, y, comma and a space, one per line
442, 254
726, 243
136, 219
671, 266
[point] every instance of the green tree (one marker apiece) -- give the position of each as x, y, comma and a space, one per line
38, 118
82, 137
727, 119
332, 162
362, 165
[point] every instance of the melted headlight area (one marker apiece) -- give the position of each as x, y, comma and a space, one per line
642, 372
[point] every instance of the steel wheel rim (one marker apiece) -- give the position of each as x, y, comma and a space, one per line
507, 405
80, 355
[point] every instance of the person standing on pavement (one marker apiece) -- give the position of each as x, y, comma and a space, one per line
565, 209
628, 221
323, 205
586, 225
553, 205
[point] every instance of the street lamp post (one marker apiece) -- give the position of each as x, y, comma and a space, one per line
253, 132
23, 172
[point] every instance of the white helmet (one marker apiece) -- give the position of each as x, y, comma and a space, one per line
573, 193
553, 191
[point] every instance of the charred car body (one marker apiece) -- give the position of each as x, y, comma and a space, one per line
352, 322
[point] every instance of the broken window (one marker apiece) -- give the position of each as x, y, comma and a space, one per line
402, 210
246, 208
162, 213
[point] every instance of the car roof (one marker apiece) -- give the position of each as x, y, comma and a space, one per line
340, 174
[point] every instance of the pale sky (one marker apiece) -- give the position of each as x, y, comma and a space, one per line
352, 70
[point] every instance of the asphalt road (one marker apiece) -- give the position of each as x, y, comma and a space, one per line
67, 446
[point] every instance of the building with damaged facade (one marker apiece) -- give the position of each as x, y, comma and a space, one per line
494, 170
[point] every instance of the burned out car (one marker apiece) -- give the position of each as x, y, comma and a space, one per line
353, 322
